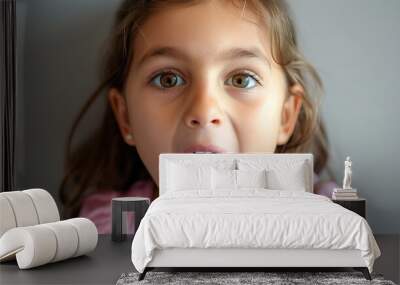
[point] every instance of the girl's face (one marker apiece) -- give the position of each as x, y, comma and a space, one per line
203, 79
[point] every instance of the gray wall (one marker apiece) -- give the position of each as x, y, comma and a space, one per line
59, 42
353, 44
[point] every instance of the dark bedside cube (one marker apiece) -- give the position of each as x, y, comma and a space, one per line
357, 205
121, 205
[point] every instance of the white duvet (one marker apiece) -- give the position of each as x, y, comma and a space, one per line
251, 218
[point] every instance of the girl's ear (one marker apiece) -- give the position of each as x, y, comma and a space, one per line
290, 112
120, 110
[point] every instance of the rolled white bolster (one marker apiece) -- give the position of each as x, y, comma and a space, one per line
87, 234
40, 244
67, 239
7, 218
45, 205
23, 208
33, 246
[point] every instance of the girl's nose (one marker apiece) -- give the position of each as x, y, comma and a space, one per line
203, 112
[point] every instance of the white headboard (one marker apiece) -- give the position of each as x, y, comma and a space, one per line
214, 157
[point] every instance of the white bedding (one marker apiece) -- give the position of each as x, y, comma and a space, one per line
250, 218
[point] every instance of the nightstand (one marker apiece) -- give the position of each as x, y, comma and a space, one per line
121, 205
357, 205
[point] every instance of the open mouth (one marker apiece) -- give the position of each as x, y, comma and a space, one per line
201, 149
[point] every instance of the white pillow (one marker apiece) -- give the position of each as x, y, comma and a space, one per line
198, 162
294, 178
223, 179
282, 173
235, 179
181, 177
251, 178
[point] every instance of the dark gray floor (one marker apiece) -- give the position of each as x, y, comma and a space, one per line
111, 259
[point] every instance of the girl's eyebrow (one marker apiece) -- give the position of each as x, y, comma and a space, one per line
230, 54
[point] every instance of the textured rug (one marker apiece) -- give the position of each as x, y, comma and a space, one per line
225, 278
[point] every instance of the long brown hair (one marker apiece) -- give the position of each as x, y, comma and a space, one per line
105, 161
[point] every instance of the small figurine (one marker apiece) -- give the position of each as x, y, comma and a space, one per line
347, 192
347, 174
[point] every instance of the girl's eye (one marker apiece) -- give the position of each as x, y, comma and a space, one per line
167, 79
243, 80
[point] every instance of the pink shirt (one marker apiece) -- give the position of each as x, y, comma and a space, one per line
97, 206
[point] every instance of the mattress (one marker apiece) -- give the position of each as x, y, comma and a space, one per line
250, 218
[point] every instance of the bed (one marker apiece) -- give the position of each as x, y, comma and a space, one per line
247, 211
